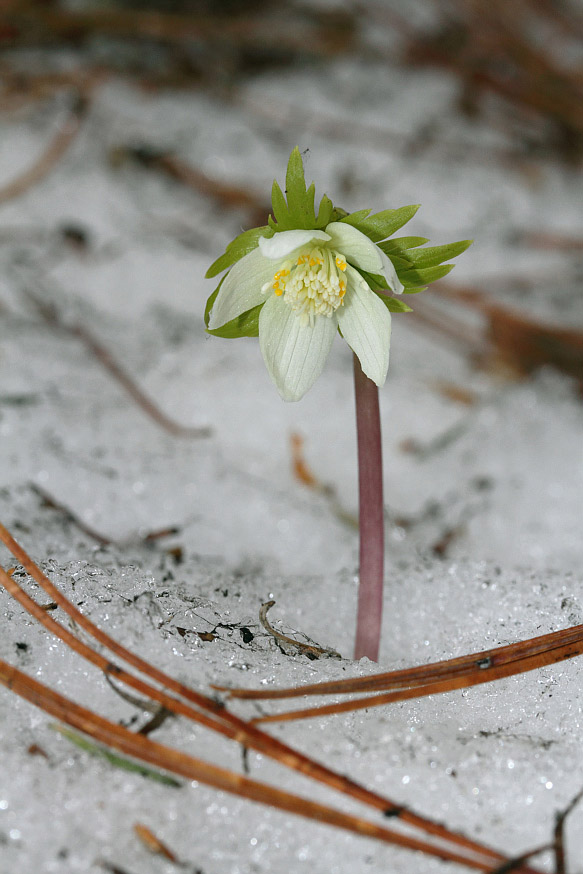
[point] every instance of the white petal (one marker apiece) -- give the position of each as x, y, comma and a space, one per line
241, 288
355, 246
294, 354
365, 323
283, 243
390, 274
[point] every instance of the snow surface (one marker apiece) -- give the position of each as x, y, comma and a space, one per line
506, 474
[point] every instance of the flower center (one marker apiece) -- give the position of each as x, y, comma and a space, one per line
312, 285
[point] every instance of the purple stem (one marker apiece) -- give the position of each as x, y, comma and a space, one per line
371, 516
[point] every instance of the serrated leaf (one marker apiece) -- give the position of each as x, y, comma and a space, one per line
298, 210
240, 246
423, 275
382, 224
400, 244
433, 255
245, 325
394, 304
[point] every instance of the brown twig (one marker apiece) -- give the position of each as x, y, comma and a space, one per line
153, 843
50, 314
309, 649
173, 761
482, 667
69, 516
216, 716
52, 155
50, 501
228, 196
559, 834
303, 474
515, 864
106, 359
519, 342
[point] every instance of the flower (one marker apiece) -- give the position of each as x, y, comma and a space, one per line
304, 276
309, 285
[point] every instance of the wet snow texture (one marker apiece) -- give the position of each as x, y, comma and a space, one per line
497, 761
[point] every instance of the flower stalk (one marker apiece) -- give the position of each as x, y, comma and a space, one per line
371, 516
300, 281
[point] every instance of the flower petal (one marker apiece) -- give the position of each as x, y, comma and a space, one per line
355, 246
365, 323
241, 288
294, 354
390, 274
283, 243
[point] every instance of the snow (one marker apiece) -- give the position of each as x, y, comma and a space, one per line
497, 761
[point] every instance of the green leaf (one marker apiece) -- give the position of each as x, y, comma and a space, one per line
414, 290
382, 224
280, 210
400, 261
298, 211
354, 218
423, 275
374, 280
295, 182
433, 255
394, 304
299, 200
325, 213
400, 244
378, 284
240, 246
245, 325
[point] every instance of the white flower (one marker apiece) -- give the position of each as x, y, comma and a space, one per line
310, 288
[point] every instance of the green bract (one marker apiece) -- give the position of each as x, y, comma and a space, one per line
306, 276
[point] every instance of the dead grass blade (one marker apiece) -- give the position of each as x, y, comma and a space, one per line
214, 716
